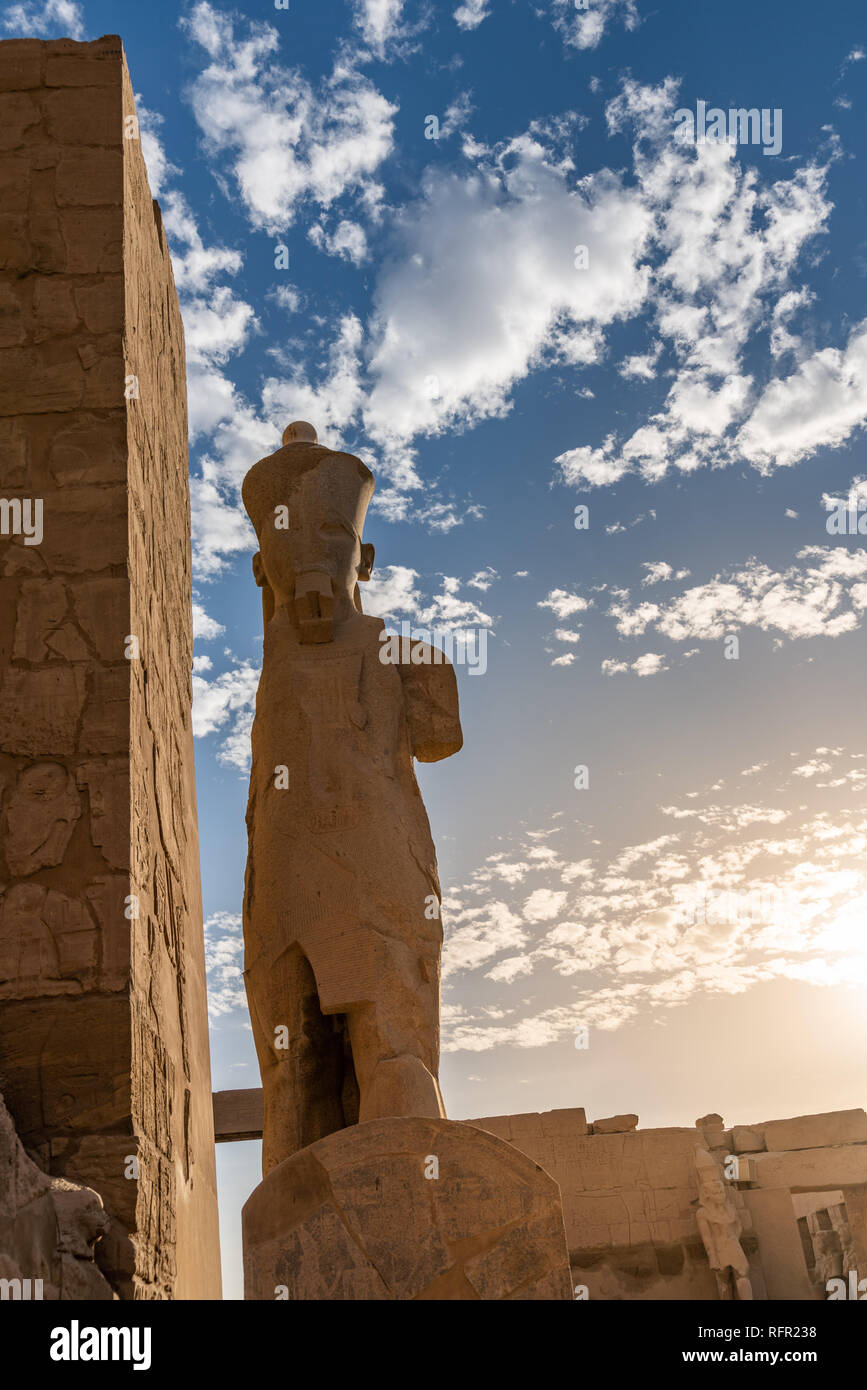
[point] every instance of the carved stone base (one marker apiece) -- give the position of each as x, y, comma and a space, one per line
406, 1209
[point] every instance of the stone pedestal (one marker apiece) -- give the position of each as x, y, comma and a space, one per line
406, 1209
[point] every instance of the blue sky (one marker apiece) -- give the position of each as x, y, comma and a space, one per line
700, 385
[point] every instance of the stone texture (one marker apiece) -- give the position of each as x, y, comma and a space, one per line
238, 1115
811, 1170
616, 1124
353, 1217
341, 906
746, 1140
103, 1031
816, 1131
720, 1227
48, 1228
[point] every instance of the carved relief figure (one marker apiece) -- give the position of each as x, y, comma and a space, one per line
720, 1229
342, 930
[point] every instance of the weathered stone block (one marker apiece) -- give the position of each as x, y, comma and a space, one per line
816, 1131
746, 1140
811, 1170
616, 1124
363, 1214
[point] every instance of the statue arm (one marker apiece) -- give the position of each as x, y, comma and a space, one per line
430, 692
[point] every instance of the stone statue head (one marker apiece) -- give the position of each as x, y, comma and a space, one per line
711, 1185
308, 504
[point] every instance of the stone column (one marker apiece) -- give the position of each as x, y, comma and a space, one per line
103, 1030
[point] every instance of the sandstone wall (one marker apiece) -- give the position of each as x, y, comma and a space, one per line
630, 1198
103, 1032
629, 1202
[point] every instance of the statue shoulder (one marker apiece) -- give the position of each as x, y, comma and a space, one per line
431, 697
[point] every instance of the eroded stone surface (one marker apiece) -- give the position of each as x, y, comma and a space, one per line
40, 815
49, 1228
402, 1209
342, 900
103, 1035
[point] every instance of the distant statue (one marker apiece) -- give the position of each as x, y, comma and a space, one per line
720, 1228
342, 931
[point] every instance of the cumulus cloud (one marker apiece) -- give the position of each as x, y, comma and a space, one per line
725, 248
563, 604
482, 287
820, 405
584, 26
45, 19
205, 627
282, 141
347, 240
470, 14
379, 22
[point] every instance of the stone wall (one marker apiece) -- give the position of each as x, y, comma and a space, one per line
630, 1199
103, 1030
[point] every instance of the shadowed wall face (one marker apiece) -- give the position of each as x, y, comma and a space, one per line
103, 1031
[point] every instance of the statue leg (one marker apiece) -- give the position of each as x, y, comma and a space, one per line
301, 1056
395, 1041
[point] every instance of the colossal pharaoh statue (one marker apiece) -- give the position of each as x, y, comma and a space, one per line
341, 910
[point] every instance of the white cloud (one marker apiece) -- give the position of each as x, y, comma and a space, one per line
727, 247
224, 961
823, 595
820, 405
564, 604
205, 627
474, 935
483, 287
392, 594
659, 571
283, 141
717, 906
470, 13
347, 240
543, 904
584, 27
42, 18
649, 664
379, 22
227, 699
